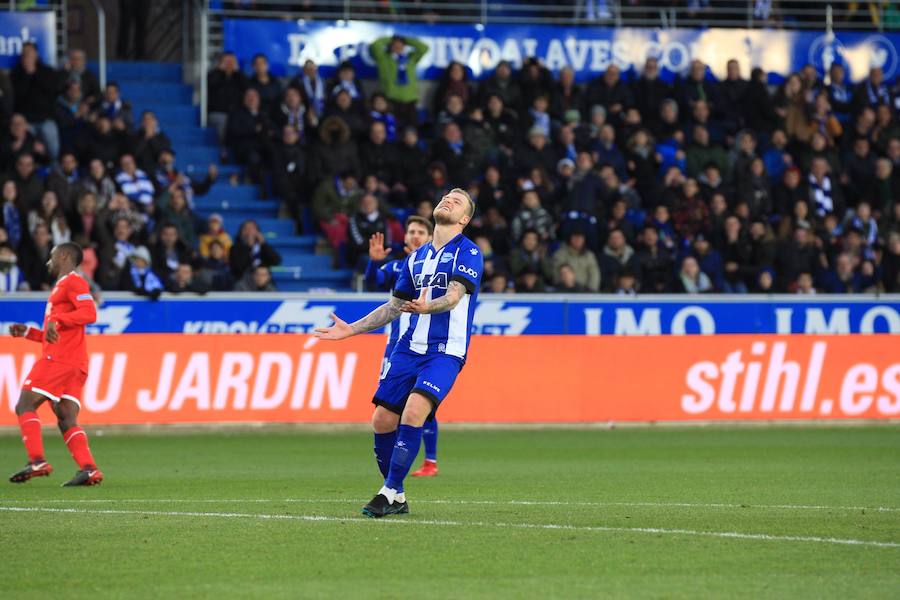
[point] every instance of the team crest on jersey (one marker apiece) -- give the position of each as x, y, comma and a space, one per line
445, 258
438, 280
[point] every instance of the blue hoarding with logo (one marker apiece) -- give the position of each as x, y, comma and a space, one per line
494, 314
16, 28
587, 50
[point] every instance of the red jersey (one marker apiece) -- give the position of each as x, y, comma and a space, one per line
71, 307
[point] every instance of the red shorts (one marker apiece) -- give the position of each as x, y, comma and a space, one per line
54, 380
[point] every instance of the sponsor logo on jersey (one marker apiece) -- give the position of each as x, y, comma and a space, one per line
470, 272
446, 257
437, 280
428, 384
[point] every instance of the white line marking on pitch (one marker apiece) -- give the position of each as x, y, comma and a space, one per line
403, 521
481, 502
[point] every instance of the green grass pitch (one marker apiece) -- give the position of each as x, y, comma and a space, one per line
785, 512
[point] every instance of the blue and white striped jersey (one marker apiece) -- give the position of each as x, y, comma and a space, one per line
138, 188
443, 333
12, 279
391, 271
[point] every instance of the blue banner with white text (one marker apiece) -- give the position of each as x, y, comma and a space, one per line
16, 28
494, 314
587, 50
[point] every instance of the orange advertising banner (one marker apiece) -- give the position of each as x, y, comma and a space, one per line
170, 378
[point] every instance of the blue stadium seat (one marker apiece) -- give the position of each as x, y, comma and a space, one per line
139, 92
191, 135
304, 242
198, 170
313, 286
219, 203
168, 113
143, 70
270, 226
305, 261
298, 279
233, 193
197, 154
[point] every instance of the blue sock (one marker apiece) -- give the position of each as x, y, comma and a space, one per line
429, 437
384, 446
406, 449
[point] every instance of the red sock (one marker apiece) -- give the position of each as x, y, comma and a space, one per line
77, 442
30, 424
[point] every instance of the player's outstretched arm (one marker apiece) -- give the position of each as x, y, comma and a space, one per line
379, 317
420, 306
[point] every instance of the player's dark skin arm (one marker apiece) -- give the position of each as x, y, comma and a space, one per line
455, 292
35, 335
379, 317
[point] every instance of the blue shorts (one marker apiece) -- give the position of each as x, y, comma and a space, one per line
431, 375
389, 349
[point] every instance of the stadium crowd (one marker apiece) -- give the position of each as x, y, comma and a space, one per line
614, 186
627, 184
78, 165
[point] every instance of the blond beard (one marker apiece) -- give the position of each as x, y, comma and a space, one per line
441, 218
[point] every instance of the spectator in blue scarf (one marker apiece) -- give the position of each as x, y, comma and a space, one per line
113, 107
139, 277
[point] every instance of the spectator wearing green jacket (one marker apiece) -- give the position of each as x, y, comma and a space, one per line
397, 74
702, 151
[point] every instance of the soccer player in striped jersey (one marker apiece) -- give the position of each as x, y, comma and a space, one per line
437, 287
383, 275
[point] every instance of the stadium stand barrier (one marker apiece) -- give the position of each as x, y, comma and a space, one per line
496, 314
169, 378
614, 367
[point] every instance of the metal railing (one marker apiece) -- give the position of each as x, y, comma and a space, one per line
101, 41
797, 14
204, 64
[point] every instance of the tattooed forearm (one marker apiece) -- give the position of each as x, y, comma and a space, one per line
448, 301
379, 317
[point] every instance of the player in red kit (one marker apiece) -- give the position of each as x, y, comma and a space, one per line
60, 373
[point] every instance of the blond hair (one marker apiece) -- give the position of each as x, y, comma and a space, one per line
468, 197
